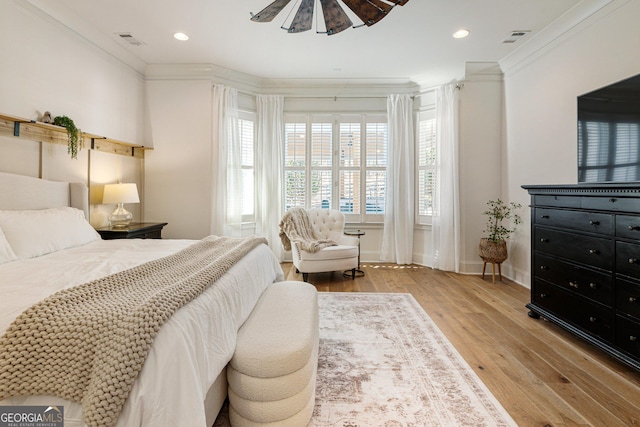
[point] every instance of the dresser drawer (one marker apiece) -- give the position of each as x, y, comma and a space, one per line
558, 201
575, 220
588, 283
592, 251
628, 259
628, 298
588, 316
149, 234
628, 336
628, 226
618, 204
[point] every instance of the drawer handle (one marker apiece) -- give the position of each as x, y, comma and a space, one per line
634, 227
573, 284
633, 299
633, 338
613, 200
594, 251
633, 261
593, 285
543, 295
543, 240
544, 216
593, 319
544, 267
594, 222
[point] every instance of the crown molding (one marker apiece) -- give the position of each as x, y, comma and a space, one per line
364, 88
578, 18
370, 88
483, 71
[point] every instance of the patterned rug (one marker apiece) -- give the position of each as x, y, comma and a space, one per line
383, 362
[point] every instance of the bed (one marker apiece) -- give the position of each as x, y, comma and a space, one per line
182, 381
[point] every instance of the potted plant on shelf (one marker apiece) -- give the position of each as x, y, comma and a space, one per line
73, 133
501, 222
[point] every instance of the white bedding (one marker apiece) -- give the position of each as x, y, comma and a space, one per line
191, 349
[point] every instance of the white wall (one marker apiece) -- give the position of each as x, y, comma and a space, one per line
540, 96
44, 66
178, 170
480, 156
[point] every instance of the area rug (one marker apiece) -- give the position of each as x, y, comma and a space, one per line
383, 362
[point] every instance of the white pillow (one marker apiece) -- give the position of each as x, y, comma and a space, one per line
33, 233
6, 253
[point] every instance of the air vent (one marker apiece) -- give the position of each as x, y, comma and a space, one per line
515, 36
130, 39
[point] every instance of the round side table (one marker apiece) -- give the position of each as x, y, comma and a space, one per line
357, 233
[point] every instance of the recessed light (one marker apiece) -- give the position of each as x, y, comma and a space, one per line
181, 36
460, 34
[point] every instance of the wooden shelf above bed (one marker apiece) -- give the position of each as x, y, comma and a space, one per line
36, 131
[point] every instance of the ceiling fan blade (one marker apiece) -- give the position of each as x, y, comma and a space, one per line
335, 18
268, 13
304, 17
399, 2
369, 11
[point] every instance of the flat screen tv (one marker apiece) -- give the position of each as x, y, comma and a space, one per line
609, 133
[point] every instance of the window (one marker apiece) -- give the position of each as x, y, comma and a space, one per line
376, 167
246, 139
337, 161
349, 168
295, 178
426, 166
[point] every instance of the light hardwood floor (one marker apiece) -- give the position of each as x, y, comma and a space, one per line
542, 375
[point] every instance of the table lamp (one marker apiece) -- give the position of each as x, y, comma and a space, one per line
120, 194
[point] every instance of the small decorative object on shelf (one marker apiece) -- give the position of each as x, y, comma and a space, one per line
501, 223
75, 142
46, 117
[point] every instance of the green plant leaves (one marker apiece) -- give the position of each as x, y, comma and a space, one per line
73, 133
499, 212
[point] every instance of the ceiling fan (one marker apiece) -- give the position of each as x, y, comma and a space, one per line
335, 18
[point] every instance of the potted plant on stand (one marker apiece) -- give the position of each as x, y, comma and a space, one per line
501, 222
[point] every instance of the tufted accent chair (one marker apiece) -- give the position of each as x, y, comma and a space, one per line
329, 224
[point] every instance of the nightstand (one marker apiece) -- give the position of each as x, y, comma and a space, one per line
135, 230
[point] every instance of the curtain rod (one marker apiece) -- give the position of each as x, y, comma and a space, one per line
335, 97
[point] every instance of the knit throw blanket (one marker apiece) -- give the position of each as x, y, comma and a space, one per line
296, 227
88, 343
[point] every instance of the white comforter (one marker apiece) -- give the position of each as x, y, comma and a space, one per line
192, 347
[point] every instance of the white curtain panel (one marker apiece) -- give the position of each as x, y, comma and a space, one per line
397, 236
269, 169
226, 211
446, 219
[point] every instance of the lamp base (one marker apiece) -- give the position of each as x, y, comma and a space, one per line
120, 217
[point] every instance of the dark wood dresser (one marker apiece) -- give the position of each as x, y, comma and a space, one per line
585, 263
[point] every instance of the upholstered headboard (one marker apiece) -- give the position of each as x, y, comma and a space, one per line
19, 192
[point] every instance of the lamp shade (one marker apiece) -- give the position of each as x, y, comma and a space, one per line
120, 193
